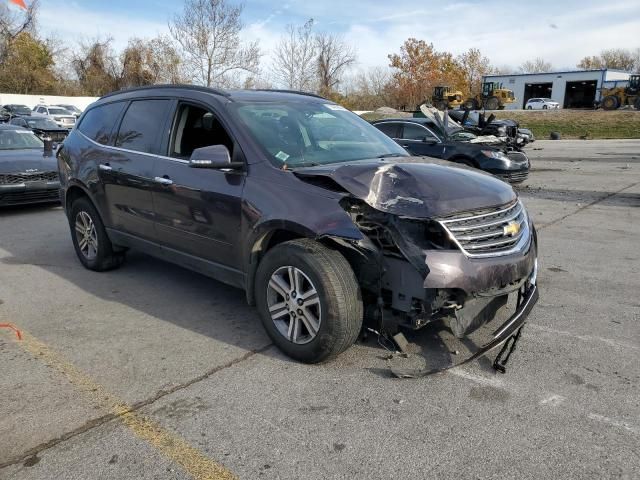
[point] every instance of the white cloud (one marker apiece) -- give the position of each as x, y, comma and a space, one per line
72, 23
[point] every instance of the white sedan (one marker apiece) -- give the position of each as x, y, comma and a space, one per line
541, 104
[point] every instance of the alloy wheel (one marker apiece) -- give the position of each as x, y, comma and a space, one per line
294, 305
86, 235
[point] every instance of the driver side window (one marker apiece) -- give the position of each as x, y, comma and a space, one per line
195, 127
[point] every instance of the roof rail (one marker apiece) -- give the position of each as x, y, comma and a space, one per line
298, 92
175, 85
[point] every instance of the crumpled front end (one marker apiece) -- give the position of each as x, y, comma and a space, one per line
460, 268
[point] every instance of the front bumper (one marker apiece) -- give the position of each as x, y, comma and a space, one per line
508, 330
29, 192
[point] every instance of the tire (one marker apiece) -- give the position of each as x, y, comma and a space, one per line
492, 103
99, 254
610, 102
338, 307
529, 107
636, 103
471, 104
544, 107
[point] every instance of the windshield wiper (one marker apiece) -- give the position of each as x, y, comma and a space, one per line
387, 155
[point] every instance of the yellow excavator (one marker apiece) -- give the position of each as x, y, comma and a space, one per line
444, 97
617, 97
492, 97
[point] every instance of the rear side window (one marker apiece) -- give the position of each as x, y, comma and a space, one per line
389, 129
99, 122
142, 124
415, 132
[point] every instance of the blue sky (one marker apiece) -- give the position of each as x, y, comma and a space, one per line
559, 31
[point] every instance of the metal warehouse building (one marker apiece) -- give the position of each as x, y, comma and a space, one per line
577, 89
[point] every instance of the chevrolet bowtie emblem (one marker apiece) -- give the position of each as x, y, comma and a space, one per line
512, 229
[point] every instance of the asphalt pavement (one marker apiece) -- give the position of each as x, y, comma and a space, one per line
155, 372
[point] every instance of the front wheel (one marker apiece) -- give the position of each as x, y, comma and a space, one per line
90, 240
309, 300
610, 102
471, 104
636, 103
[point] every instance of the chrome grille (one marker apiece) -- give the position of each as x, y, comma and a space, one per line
18, 178
490, 233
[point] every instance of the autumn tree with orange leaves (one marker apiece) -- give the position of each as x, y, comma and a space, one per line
419, 67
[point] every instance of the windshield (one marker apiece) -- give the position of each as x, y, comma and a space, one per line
20, 109
18, 139
70, 108
304, 133
41, 123
59, 111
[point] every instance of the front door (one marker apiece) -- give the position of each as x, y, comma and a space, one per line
419, 140
198, 211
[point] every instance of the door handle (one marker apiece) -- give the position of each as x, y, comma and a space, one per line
105, 167
163, 180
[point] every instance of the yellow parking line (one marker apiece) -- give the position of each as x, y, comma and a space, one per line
192, 460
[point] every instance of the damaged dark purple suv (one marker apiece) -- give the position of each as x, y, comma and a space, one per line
320, 218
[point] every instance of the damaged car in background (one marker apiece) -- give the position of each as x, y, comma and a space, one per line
475, 122
326, 223
435, 135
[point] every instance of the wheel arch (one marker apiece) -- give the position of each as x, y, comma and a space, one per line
274, 233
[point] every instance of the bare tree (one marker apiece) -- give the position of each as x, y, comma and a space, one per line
294, 58
13, 23
475, 66
334, 57
209, 33
97, 67
537, 65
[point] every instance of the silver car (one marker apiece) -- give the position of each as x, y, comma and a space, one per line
63, 118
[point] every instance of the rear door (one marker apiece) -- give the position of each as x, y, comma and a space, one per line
127, 173
198, 211
419, 140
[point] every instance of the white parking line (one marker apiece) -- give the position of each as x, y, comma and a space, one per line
585, 338
613, 422
493, 382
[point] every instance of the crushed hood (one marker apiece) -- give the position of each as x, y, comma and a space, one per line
415, 187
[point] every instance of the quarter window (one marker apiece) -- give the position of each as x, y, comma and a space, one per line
99, 122
141, 125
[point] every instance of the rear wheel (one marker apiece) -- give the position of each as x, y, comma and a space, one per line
471, 104
90, 240
610, 102
529, 107
492, 103
636, 103
309, 300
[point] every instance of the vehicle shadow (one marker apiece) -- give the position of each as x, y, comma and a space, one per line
185, 298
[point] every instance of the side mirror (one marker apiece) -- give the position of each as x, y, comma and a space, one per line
216, 157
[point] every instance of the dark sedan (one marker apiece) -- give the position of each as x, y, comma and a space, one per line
420, 136
28, 174
43, 127
18, 110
